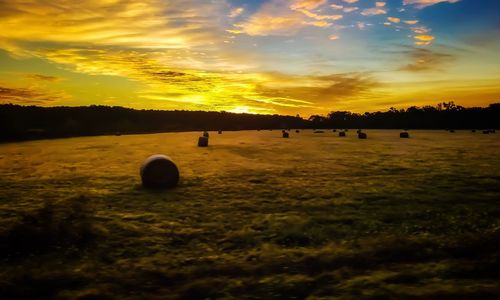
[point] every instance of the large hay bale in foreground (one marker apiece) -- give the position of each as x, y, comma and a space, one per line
203, 141
159, 171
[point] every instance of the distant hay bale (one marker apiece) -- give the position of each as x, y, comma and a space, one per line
358, 131
286, 134
452, 130
362, 135
335, 130
297, 131
473, 130
319, 131
203, 141
404, 135
219, 132
346, 130
492, 131
486, 132
205, 134
342, 133
159, 171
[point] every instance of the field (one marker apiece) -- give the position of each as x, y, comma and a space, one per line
255, 216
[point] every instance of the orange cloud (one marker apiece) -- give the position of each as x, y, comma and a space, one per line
393, 19
424, 39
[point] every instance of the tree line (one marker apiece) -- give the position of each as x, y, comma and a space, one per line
34, 122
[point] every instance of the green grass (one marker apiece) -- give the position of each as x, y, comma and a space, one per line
255, 217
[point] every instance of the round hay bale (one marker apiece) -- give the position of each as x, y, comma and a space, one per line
159, 171
205, 134
404, 135
203, 141
220, 132
297, 131
452, 130
335, 130
492, 131
286, 134
362, 135
358, 131
473, 130
486, 132
342, 133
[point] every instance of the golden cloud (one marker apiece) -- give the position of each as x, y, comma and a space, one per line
394, 20
424, 39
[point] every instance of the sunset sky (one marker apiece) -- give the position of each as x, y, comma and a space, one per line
261, 56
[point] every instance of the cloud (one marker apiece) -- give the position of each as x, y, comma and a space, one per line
394, 20
307, 4
276, 18
29, 96
350, 9
425, 3
336, 6
124, 23
333, 37
320, 17
424, 39
321, 90
350, 1
44, 78
411, 22
420, 29
379, 9
235, 12
426, 60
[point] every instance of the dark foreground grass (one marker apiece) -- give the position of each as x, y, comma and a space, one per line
67, 250
255, 216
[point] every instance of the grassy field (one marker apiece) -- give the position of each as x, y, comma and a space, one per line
255, 216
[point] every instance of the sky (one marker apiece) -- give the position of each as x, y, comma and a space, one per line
255, 56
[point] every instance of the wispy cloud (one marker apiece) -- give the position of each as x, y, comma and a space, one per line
425, 3
30, 96
235, 12
44, 78
426, 60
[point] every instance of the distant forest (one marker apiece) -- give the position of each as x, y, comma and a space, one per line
33, 122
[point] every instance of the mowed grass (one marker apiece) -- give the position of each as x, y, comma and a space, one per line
255, 216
